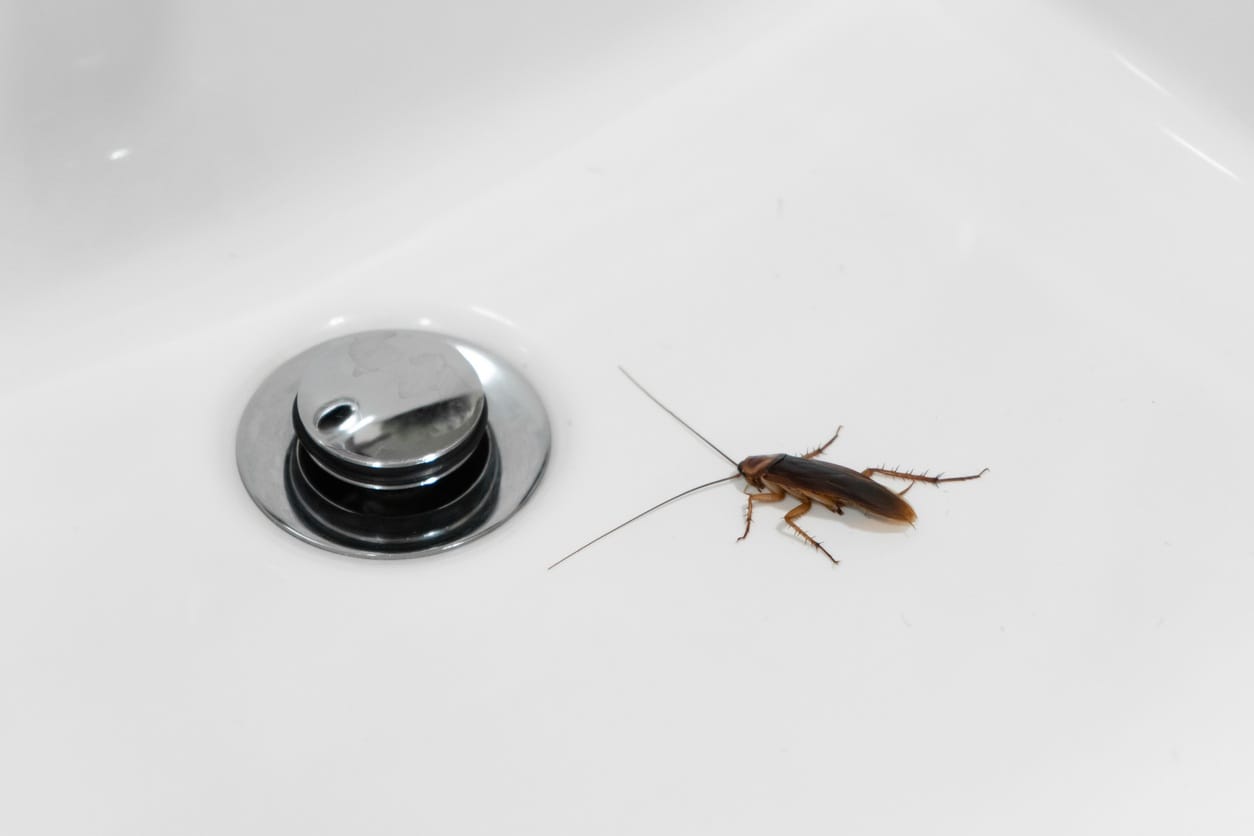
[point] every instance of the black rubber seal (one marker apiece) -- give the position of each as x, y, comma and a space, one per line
395, 520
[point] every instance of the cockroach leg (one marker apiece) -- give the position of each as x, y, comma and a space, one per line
920, 477
770, 496
829, 502
818, 451
802, 508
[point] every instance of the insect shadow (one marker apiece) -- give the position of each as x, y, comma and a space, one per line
779, 476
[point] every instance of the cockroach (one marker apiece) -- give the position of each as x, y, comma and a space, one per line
807, 480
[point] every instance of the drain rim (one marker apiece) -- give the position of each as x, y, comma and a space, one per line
518, 423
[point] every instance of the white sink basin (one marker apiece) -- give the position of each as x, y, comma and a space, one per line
1012, 235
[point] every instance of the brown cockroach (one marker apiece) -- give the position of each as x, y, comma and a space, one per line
776, 477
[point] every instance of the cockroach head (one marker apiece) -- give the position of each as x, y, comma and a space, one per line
754, 468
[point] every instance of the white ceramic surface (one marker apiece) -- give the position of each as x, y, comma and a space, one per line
977, 233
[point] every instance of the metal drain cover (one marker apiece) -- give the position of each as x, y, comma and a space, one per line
392, 444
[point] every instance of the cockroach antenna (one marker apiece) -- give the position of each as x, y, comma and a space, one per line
667, 409
679, 495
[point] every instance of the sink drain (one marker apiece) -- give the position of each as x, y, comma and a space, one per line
392, 443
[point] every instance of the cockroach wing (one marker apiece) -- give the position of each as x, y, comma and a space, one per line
833, 485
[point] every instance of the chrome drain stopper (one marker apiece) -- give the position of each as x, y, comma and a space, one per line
392, 443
